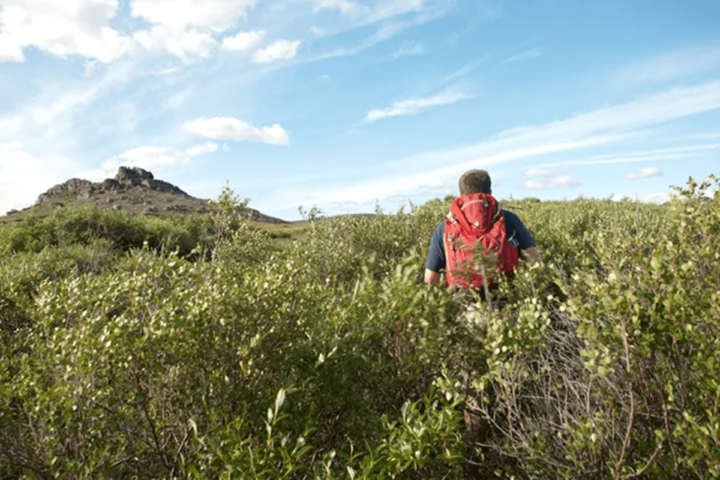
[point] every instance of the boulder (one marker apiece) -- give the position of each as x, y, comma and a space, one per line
131, 176
73, 187
109, 184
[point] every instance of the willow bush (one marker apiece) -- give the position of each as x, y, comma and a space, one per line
143, 348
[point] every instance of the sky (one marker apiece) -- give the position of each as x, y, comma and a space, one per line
347, 104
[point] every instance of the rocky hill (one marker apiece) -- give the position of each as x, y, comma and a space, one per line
134, 190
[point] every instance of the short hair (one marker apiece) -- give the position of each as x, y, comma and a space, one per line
475, 181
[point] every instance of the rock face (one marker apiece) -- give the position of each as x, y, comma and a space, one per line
126, 178
131, 177
73, 187
134, 190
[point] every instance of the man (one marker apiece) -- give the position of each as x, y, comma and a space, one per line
476, 212
478, 182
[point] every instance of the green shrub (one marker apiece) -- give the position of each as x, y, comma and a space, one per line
151, 348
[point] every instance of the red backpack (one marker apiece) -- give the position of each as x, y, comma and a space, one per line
476, 220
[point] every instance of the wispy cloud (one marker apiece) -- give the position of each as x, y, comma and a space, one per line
84, 29
279, 50
554, 183
701, 136
415, 105
409, 14
538, 172
675, 64
527, 54
660, 197
600, 127
184, 44
148, 158
210, 14
23, 175
345, 7
645, 173
413, 48
464, 70
188, 31
243, 41
230, 128
670, 153
207, 147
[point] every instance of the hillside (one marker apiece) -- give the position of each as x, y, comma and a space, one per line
133, 189
194, 346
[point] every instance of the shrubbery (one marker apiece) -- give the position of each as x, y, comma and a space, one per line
153, 348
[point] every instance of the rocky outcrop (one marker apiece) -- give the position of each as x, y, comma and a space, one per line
136, 191
74, 187
133, 176
127, 177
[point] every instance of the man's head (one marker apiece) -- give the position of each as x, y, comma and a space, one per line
475, 181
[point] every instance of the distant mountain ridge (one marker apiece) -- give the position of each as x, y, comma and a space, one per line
134, 190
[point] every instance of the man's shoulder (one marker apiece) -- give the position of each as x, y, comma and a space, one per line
512, 218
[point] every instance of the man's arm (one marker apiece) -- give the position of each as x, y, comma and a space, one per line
523, 240
529, 253
432, 277
435, 262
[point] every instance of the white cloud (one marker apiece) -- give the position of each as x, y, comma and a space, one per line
62, 28
415, 48
229, 128
213, 15
660, 197
415, 105
279, 50
345, 7
557, 182
184, 44
90, 68
453, 163
10, 127
650, 110
701, 136
24, 176
685, 152
188, 28
207, 147
147, 157
392, 8
416, 12
527, 54
178, 99
644, 173
600, 127
243, 41
535, 172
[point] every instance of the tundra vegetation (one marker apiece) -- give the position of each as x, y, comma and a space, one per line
207, 347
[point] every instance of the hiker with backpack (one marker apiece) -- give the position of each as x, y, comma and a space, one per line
476, 219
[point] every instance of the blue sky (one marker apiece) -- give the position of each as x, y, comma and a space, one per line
344, 104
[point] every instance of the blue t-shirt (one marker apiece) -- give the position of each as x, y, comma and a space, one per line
517, 234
